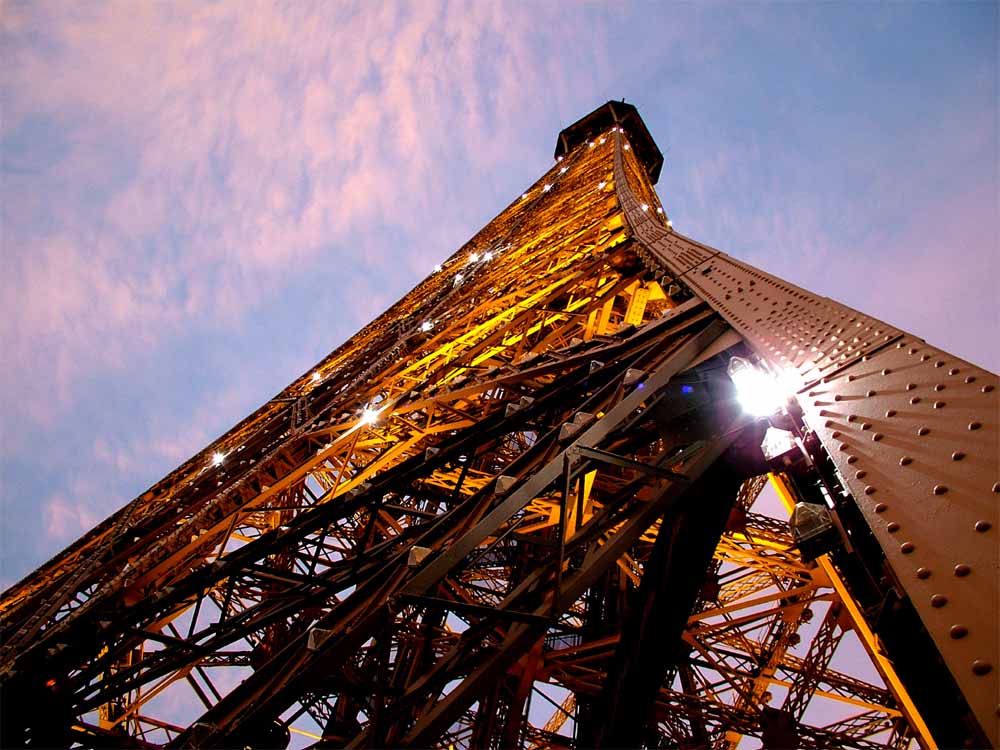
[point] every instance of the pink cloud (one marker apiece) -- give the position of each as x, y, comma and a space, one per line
251, 144
66, 519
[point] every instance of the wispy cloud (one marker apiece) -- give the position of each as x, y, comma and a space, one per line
68, 518
200, 156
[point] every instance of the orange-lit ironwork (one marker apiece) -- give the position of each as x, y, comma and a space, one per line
523, 508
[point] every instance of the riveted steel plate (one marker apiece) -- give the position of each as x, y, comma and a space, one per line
914, 434
912, 430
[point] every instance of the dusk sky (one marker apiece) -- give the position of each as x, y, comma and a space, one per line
200, 200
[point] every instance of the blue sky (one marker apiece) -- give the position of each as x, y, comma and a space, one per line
199, 200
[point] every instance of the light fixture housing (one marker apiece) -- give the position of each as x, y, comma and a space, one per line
759, 393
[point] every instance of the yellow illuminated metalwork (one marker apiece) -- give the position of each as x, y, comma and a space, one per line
868, 638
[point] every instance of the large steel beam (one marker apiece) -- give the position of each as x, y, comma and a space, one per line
650, 642
914, 434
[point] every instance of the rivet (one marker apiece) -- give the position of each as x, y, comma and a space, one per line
987, 388
915, 400
871, 393
866, 426
940, 405
958, 631
939, 600
892, 527
881, 507
851, 459
939, 489
913, 350
828, 423
844, 447
835, 434
922, 430
838, 397
962, 570
957, 456
983, 526
925, 357
996, 486
939, 387
923, 573
869, 490
891, 413
861, 474
851, 378
970, 378
910, 386
954, 371
981, 667
975, 425
877, 436
906, 548
851, 418
905, 461
886, 371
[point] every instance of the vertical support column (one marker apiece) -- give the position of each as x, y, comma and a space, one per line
650, 637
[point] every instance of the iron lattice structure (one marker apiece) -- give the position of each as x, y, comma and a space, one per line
521, 509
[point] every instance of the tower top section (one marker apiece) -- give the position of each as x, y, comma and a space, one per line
607, 116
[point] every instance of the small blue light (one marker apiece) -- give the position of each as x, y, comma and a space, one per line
641, 386
686, 389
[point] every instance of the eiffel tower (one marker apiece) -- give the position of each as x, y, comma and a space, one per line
591, 483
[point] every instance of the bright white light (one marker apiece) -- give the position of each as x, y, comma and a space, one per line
670, 224
437, 268
487, 256
591, 144
644, 207
369, 416
563, 170
602, 141
316, 377
458, 278
601, 184
759, 394
546, 188
627, 147
523, 196
426, 326
473, 257
659, 209
218, 458
558, 158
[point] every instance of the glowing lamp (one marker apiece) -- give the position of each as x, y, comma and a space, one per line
759, 394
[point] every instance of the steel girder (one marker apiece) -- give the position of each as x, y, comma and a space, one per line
518, 510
